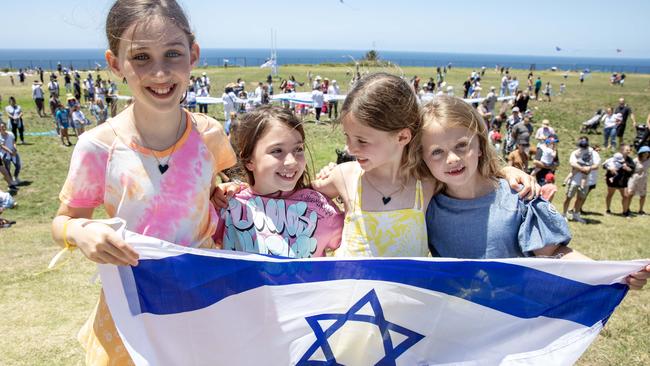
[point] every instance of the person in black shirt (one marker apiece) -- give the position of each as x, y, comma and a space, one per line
625, 112
616, 179
466, 85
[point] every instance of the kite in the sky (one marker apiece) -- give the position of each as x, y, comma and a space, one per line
558, 48
618, 50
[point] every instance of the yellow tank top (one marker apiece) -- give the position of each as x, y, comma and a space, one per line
398, 233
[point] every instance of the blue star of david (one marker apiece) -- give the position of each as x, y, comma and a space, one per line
391, 352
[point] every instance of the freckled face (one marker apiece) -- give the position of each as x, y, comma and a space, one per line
278, 160
156, 59
451, 154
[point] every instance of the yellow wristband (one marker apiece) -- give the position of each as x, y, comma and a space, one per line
65, 236
68, 245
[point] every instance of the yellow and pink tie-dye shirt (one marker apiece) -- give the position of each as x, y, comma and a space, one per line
174, 206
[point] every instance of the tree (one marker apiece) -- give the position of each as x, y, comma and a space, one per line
371, 56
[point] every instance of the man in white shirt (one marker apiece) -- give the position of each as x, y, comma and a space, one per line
333, 90
39, 97
229, 107
318, 98
53, 87
491, 100
205, 81
9, 152
577, 160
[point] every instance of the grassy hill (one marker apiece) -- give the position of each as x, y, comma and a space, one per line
42, 310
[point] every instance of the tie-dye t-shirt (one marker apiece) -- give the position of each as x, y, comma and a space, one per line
125, 178
300, 224
174, 206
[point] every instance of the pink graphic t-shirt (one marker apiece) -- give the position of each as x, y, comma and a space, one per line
125, 178
300, 224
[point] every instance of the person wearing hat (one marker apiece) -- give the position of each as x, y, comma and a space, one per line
543, 166
39, 97
638, 183
62, 118
53, 87
521, 131
549, 189
583, 161
544, 132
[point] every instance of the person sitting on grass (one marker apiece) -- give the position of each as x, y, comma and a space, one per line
6, 200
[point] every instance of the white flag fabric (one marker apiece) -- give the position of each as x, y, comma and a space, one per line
184, 306
269, 63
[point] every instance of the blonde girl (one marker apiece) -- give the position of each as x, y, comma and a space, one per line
153, 165
470, 189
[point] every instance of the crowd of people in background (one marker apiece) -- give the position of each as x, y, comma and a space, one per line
510, 123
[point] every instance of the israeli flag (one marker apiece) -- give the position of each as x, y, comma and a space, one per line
184, 306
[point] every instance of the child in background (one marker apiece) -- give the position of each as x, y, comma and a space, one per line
190, 100
549, 188
469, 189
79, 120
62, 118
548, 90
278, 214
549, 152
496, 138
613, 165
153, 165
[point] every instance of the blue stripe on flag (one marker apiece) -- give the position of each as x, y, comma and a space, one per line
190, 282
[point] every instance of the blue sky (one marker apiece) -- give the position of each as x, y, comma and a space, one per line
581, 28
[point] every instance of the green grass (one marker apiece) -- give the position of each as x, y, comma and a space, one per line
42, 310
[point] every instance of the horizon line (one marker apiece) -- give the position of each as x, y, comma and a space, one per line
379, 51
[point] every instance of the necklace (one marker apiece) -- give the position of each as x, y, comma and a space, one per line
162, 167
385, 198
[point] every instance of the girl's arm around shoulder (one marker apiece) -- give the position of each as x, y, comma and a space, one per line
521, 182
341, 182
428, 187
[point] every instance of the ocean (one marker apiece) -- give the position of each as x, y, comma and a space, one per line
90, 58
